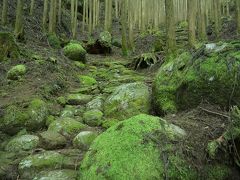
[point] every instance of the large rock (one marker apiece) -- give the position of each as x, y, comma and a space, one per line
57, 175
75, 52
142, 147
22, 143
78, 99
184, 82
103, 45
96, 103
52, 140
16, 72
8, 46
34, 164
66, 126
17, 118
84, 139
127, 100
93, 117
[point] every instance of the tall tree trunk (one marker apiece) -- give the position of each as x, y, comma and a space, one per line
238, 15
75, 20
124, 27
32, 7
217, 17
170, 25
202, 21
72, 13
191, 14
45, 14
4, 12
52, 17
19, 19
59, 11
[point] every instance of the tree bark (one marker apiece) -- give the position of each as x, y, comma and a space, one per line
4, 12
191, 14
19, 19
124, 27
170, 26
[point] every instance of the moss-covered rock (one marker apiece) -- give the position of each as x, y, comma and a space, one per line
127, 100
34, 164
96, 103
84, 139
57, 175
185, 81
52, 140
14, 120
137, 148
78, 99
23, 143
37, 113
87, 80
93, 117
16, 72
75, 52
66, 126
217, 172
54, 41
103, 45
8, 46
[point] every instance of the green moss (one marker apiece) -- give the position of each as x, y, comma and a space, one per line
127, 151
127, 100
93, 117
78, 99
212, 148
80, 65
54, 41
87, 80
75, 52
66, 126
217, 172
22, 143
16, 72
105, 39
183, 83
109, 123
84, 139
49, 120
61, 100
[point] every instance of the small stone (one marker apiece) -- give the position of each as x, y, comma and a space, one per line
93, 117
78, 99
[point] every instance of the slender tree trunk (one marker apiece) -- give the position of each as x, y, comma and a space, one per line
217, 17
192, 12
124, 27
75, 20
32, 7
45, 15
131, 23
238, 15
4, 12
202, 21
170, 26
19, 19
59, 11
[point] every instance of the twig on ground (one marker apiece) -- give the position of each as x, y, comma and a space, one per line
214, 113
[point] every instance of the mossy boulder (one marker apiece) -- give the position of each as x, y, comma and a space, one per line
66, 126
36, 163
137, 148
93, 117
75, 52
54, 41
103, 45
78, 99
96, 103
52, 140
57, 175
16, 72
37, 112
22, 143
84, 139
87, 80
127, 100
183, 82
8, 46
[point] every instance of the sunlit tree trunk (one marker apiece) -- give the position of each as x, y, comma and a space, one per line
19, 19
170, 26
124, 27
4, 12
75, 20
32, 7
192, 12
